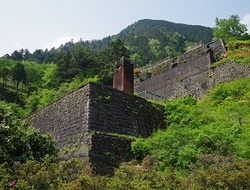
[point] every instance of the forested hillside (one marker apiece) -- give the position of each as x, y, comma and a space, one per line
32, 80
147, 41
151, 40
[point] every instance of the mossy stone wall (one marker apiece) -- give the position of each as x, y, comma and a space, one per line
192, 74
98, 122
113, 111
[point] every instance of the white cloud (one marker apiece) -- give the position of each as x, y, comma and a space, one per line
60, 41
17, 46
246, 20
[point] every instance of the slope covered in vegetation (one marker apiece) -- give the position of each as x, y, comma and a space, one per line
152, 40
205, 146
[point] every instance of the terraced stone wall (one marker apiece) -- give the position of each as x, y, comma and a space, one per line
189, 74
98, 123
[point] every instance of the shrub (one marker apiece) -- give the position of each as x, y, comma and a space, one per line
20, 142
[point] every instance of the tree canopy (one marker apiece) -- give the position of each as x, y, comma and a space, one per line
229, 28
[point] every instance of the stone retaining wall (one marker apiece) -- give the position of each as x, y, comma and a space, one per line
97, 122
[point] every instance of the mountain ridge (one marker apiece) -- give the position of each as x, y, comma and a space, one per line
152, 40
146, 40
171, 25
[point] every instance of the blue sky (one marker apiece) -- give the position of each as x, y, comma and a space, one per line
40, 24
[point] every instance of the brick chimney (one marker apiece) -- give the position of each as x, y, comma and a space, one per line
123, 76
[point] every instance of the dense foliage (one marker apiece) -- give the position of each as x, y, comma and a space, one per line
229, 29
233, 32
219, 124
20, 142
152, 40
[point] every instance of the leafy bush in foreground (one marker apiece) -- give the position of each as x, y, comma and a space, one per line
20, 142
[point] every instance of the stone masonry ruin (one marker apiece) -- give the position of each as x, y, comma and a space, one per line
98, 123
189, 74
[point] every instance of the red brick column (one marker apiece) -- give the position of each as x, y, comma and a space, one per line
123, 76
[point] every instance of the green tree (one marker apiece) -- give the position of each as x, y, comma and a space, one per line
106, 59
49, 78
229, 28
17, 55
154, 45
34, 73
5, 70
63, 72
18, 76
72, 63
38, 55
117, 49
